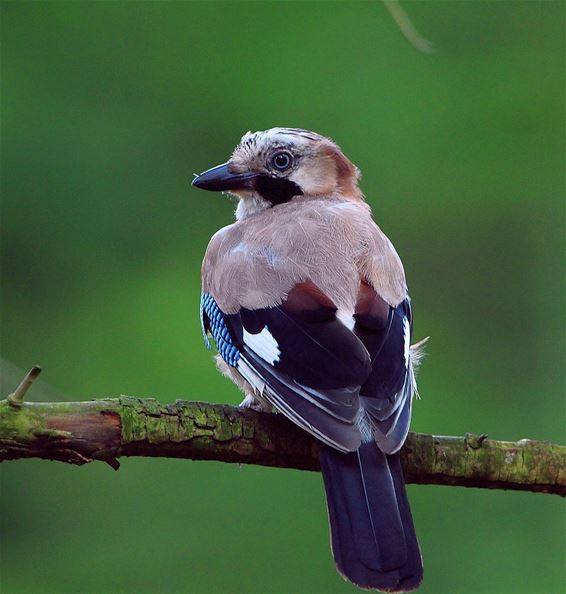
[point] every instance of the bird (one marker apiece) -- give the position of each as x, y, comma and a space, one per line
306, 301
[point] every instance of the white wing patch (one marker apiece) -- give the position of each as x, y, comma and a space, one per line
346, 317
263, 345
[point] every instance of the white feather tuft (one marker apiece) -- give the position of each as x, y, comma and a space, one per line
418, 352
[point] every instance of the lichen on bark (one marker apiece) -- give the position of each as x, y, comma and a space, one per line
110, 428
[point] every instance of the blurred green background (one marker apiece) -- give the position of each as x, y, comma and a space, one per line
108, 108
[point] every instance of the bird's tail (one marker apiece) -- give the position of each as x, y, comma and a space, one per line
372, 534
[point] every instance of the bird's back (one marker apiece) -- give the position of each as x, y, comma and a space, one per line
331, 242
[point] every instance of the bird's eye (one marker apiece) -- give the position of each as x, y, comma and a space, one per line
281, 161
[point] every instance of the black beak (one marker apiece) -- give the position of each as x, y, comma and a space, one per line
220, 178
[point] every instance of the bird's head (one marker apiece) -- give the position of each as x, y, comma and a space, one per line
278, 165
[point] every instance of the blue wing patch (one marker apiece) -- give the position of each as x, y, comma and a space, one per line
212, 320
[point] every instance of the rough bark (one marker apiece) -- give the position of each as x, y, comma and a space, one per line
79, 432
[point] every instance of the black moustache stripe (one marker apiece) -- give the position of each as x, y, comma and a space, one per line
276, 190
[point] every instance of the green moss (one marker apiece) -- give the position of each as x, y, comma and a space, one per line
19, 422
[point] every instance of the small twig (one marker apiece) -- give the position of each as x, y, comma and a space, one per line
406, 27
16, 398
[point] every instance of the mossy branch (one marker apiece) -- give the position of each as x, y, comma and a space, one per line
80, 432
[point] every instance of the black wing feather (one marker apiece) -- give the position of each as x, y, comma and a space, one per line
336, 430
316, 379
387, 393
317, 350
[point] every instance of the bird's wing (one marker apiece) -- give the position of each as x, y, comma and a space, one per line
300, 357
387, 393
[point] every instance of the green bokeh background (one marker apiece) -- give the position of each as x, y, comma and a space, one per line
107, 110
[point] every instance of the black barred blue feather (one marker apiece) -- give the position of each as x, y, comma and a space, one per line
213, 321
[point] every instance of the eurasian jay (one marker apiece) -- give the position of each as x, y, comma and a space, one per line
307, 303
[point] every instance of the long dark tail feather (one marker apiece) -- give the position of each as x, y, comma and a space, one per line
413, 574
373, 538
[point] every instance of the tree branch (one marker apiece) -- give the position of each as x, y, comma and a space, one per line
79, 432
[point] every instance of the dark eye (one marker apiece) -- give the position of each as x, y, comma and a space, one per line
282, 161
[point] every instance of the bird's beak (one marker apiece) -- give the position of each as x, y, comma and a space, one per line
220, 178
